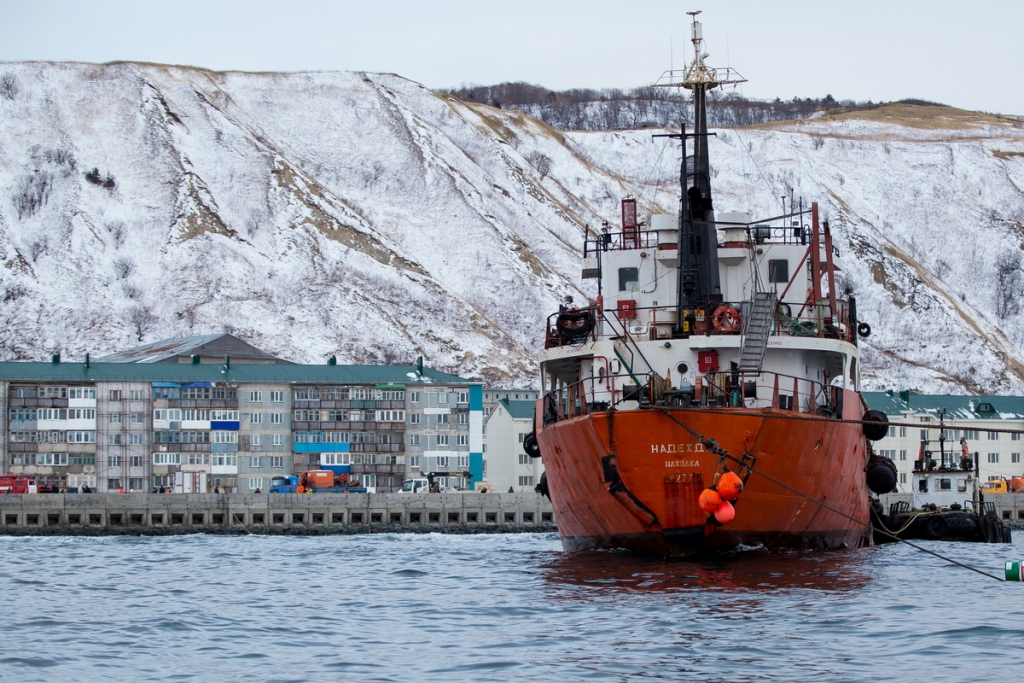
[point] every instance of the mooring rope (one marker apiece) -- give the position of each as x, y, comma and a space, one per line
715, 448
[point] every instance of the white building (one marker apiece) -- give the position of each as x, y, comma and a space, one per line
508, 466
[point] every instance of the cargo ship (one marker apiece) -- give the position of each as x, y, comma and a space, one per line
708, 398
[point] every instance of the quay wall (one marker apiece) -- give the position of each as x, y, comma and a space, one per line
95, 514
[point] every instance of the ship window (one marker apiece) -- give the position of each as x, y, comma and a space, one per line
944, 485
961, 485
778, 270
628, 278
922, 486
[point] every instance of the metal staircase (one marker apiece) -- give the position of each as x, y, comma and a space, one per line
756, 328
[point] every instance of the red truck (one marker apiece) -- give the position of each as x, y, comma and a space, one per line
13, 483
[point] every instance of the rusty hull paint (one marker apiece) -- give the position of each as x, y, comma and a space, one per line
818, 457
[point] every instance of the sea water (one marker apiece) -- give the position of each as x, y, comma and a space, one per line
435, 607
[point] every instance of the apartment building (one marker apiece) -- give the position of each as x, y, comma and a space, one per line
199, 426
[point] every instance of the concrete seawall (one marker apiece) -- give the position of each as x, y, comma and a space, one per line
96, 514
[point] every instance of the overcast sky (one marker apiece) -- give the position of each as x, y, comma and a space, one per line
966, 54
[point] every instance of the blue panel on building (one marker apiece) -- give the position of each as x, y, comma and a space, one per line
225, 426
337, 469
321, 448
223, 447
166, 384
476, 397
476, 469
198, 384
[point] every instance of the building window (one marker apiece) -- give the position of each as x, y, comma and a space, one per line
276, 418
114, 439
442, 440
414, 418
255, 418
903, 431
255, 440
277, 439
414, 439
255, 397
524, 459
462, 440
115, 460
442, 419
993, 436
944, 485
136, 394
81, 437
277, 397
462, 418
463, 397
414, 397
223, 437
971, 434
136, 439
165, 459
255, 462
1015, 457
526, 481
52, 459
628, 278
442, 397
225, 460
138, 418
903, 477
414, 461
442, 461
276, 462
993, 457
892, 431
114, 417
1015, 436
255, 483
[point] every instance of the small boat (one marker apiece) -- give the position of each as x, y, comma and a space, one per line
707, 398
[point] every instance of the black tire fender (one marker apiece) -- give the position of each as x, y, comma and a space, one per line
864, 330
530, 445
935, 527
876, 424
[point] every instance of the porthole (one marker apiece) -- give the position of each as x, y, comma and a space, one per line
682, 368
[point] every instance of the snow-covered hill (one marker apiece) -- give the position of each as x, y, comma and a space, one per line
361, 215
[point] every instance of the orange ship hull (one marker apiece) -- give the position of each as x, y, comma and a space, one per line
631, 479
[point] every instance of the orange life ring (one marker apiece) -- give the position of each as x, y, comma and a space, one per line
725, 319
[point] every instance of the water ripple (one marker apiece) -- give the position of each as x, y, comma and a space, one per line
447, 608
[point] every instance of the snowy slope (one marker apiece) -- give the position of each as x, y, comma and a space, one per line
362, 216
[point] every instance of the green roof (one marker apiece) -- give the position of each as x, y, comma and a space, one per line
957, 407
79, 373
518, 410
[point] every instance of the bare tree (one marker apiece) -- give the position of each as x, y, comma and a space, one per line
1008, 284
9, 86
541, 162
141, 319
117, 231
123, 267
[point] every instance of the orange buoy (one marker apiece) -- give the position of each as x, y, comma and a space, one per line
709, 500
725, 512
729, 486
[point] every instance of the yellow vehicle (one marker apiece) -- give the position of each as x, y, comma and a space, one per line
995, 486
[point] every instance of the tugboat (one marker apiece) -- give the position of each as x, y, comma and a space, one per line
708, 398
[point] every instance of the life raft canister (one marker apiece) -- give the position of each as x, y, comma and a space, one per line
725, 319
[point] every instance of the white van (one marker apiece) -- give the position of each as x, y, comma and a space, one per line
415, 486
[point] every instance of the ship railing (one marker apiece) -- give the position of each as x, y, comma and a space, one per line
738, 389
624, 240
643, 323
712, 390
629, 239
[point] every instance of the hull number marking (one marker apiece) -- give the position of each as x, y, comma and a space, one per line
680, 478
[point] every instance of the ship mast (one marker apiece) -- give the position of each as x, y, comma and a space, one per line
698, 282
